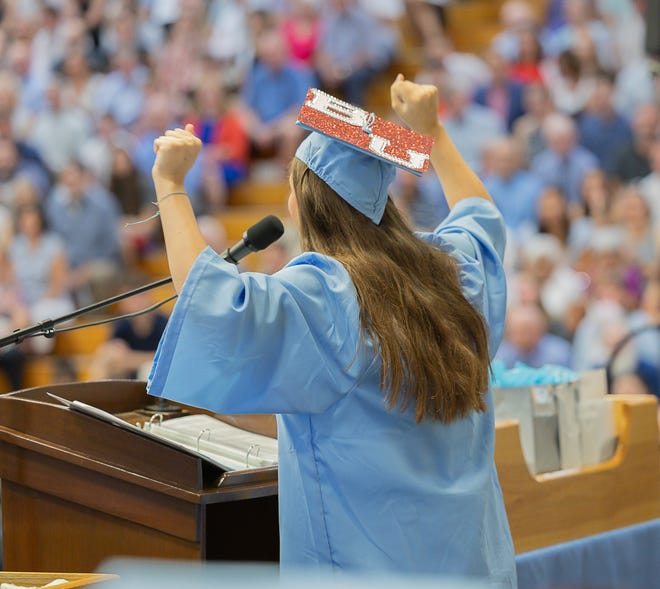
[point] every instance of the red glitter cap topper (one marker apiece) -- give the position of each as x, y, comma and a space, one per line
365, 131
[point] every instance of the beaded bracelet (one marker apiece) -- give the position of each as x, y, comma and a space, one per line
156, 203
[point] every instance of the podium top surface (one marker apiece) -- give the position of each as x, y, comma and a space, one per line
34, 421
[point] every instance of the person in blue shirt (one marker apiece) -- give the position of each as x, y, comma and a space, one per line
603, 130
515, 191
502, 94
86, 217
527, 340
353, 48
273, 92
372, 347
564, 163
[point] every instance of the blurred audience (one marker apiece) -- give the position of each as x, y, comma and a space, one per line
13, 315
633, 214
226, 147
632, 161
649, 185
57, 131
273, 93
130, 350
38, 267
15, 167
553, 215
471, 126
603, 131
527, 130
86, 216
579, 19
570, 85
301, 29
526, 340
502, 94
517, 18
120, 92
559, 115
527, 67
353, 48
514, 189
564, 162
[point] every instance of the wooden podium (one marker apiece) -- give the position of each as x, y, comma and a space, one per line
77, 490
559, 506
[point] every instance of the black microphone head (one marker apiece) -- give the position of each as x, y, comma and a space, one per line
263, 233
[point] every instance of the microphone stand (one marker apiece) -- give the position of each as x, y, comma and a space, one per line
47, 329
609, 367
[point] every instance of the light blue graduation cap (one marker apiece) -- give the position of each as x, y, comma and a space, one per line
355, 152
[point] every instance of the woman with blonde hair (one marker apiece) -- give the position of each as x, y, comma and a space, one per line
39, 267
372, 347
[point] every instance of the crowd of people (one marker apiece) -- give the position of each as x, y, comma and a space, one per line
560, 117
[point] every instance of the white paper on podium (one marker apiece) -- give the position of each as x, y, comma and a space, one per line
249, 451
233, 447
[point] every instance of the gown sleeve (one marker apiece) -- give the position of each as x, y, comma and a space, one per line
475, 236
254, 343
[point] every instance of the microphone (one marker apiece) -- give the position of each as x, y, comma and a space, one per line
256, 238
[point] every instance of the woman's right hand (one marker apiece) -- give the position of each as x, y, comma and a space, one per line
176, 152
416, 104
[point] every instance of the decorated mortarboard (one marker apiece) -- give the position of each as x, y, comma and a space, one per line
355, 152
365, 131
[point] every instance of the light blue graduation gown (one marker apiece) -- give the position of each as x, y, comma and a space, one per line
360, 487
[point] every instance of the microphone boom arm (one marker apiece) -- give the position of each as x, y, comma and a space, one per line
47, 327
256, 238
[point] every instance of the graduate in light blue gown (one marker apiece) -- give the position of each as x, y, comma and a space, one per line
372, 348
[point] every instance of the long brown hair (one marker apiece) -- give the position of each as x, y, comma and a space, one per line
433, 343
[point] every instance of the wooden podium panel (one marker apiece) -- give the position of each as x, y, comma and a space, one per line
77, 490
564, 505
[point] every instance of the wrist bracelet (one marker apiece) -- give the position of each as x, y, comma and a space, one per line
156, 203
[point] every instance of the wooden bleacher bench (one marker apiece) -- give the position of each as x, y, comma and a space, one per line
378, 98
250, 192
237, 219
472, 24
155, 264
81, 341
69, 357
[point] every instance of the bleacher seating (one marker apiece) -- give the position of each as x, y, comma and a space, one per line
472, 24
